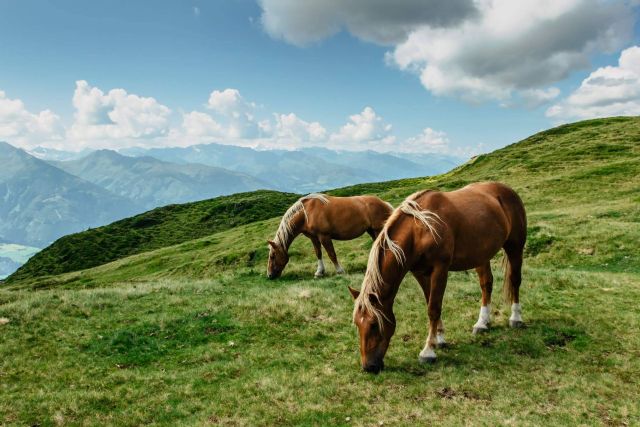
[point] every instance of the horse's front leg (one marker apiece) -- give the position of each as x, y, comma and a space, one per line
438, 284
425, 285
318, 249
486, 284
328, 246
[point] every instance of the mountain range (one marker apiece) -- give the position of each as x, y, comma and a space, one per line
47, 193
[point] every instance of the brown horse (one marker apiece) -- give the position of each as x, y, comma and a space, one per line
430, 234
322, 218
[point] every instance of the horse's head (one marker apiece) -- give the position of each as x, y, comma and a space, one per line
375, 333
278, 259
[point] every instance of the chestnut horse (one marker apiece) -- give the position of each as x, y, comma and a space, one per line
430, 234
322, 218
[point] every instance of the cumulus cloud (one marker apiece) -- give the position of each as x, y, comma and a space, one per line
290, 127
103, 119
477, 51
608, 91
238, 113
25, 129
381, 21
428, 140
365, 130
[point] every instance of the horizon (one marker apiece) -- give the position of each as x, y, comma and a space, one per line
272, 74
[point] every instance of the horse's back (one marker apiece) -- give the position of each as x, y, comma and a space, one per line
344, 218
480, 218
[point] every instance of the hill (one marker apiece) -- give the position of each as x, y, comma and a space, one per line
151, 183
184, 334
41, 203
157, 228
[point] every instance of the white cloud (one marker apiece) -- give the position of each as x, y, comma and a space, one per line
365, 130
25, 129
238, 113
381, 21
291, 128
428, 140
197, 124
477, 51
114, 118
608, 91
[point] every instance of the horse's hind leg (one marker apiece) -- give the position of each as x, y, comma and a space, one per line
425, 285
513, 278
328, 246
318, 250
438, 284
486, 284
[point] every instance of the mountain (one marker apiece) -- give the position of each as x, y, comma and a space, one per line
150, 182
303, 171
52, 154
559, 174
41, 202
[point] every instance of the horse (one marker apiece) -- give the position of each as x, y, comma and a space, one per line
322, 218
430, 234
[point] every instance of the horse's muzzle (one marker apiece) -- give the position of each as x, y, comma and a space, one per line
373, 368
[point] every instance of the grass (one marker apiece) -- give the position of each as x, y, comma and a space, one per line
194, 334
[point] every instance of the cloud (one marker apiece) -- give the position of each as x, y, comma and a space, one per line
291, 128
608, 91
113, 118
25, 129
381, 21
365, 130
482, 51
428, 140
238, 113
198, 124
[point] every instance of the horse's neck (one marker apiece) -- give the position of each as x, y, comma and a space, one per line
297, 223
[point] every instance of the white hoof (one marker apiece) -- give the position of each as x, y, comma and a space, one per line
340, 270
427, 355
319, 274
440, 341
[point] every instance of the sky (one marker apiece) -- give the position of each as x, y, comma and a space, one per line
457, 77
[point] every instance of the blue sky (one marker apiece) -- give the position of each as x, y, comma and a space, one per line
282, 60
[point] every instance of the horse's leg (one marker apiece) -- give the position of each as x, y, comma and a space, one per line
438, 284
318, 249
328, 246
513, 278
486, 284
423, 281
373, 233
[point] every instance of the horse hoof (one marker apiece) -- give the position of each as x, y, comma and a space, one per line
479, 330
517, 324
428, 360
442, 344
318, 275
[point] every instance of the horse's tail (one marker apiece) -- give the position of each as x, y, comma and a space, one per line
507, 288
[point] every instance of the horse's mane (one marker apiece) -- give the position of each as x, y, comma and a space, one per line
373, 282
285, 229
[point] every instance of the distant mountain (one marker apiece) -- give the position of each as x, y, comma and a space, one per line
41, 202
151, 182
305, 170
43, 153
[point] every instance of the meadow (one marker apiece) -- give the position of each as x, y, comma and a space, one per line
194, 334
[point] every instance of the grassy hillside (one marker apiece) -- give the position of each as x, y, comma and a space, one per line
188, 334
157, 228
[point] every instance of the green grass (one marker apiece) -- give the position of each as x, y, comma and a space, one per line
157, 228
194, 334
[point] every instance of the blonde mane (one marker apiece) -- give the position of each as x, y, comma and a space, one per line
373, 282
285, 229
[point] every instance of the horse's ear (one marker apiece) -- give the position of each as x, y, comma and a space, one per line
354, 292
272, 244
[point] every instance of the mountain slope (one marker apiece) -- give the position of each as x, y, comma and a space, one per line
579, 183
41, 202
151, 182
158, 228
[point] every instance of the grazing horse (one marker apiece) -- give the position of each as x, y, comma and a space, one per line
322, 218
430, 234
